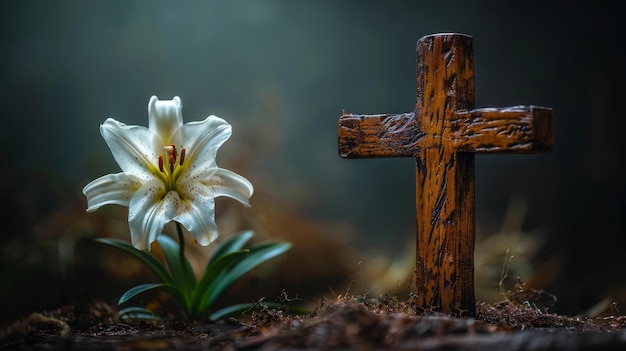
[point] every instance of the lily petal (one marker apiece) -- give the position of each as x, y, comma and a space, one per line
133, 147
202, 139
111, 189
165, 117
150, 208
198, 213
223, 182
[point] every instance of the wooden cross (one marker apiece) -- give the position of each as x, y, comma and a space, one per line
443, 134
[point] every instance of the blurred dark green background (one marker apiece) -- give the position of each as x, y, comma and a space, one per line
282, 72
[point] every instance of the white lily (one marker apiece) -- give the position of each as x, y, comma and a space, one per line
169, 173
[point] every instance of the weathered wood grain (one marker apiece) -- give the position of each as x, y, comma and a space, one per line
362, 136
518, 129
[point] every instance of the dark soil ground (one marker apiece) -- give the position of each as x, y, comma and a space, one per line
352, 323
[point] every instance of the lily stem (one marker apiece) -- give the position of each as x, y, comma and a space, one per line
181, 245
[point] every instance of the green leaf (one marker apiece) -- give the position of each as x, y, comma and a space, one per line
233, 310
213, 273
242, 308
258, 254
143, 256
140, 289
233, 243
140, 313
181, 270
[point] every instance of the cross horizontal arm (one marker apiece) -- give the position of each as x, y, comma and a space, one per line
383, 135
518, 129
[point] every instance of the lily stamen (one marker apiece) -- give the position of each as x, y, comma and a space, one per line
182, 155
161, 163
172, 163
170, 150
174, 153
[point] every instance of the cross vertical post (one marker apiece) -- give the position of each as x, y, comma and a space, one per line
445, 177
443, 134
